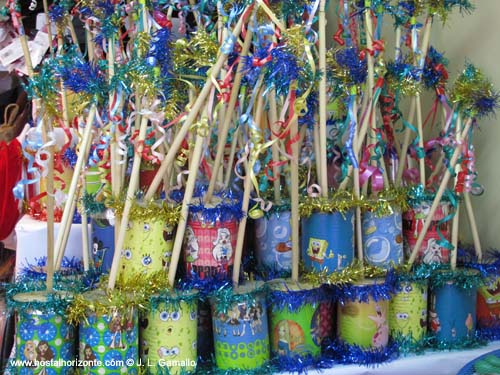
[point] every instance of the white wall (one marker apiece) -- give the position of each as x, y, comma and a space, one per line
476, 37
471, 37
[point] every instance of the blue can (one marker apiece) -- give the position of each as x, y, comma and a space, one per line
103, 243
328, 241
273, 247
452, 313
383, 239
240, 328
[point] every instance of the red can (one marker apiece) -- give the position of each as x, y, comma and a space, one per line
413, 222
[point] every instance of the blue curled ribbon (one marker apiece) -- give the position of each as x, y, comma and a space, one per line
352, 132
102, 145
228, 45
345, 24
419, 151
452, 198
448, 149
18, 190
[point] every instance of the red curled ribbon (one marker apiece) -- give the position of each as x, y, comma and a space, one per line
338, 35
227, 84
377, 46
388, 116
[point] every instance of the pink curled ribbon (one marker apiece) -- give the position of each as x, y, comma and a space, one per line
367, 172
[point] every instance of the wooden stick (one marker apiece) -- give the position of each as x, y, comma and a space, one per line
50, 172
397, 49
371, 87
129, 200
455, 222
317, 152
322, 99
69, 207
473, 225
294, 195
371, 73
274, 126
188, 195
406, 145
27, 55
114, 156
90, 45
222, 137
247, 190
229, 171
454, 237
363, 129
73, 32
357, 194
367, 103
65, 231
49, 24
439, 195
85, 232
222, 33
167, 162
46, 128
421, 161
437, 168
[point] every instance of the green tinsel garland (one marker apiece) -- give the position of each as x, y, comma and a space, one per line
224, 299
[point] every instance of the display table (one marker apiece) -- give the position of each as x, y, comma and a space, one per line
32, 241
429, 363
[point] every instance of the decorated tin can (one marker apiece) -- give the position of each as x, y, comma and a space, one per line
205, 341
408, 310
364, 322
413, 222
452, 312
328, 241
383, 238
148, 240
488, 305
44, 337
273, 249
102, 234
146, 175
109, 341
169, 333
241, 337
92, 180
210, 239
296, 314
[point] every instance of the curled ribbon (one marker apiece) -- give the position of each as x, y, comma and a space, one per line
31, 170
42, 155
367, 172
352, 131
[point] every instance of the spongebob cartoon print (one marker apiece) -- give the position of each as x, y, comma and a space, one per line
317, 249
408, 310
169, 332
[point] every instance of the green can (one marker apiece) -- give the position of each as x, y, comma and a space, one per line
109, 343
241, 337
408, 311
148, 242
92, 180
169, 333
297, 331
364, 324
45, 338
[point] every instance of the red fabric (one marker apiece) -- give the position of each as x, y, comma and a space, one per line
11, 162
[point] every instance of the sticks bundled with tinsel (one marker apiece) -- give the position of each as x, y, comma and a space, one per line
249, 98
